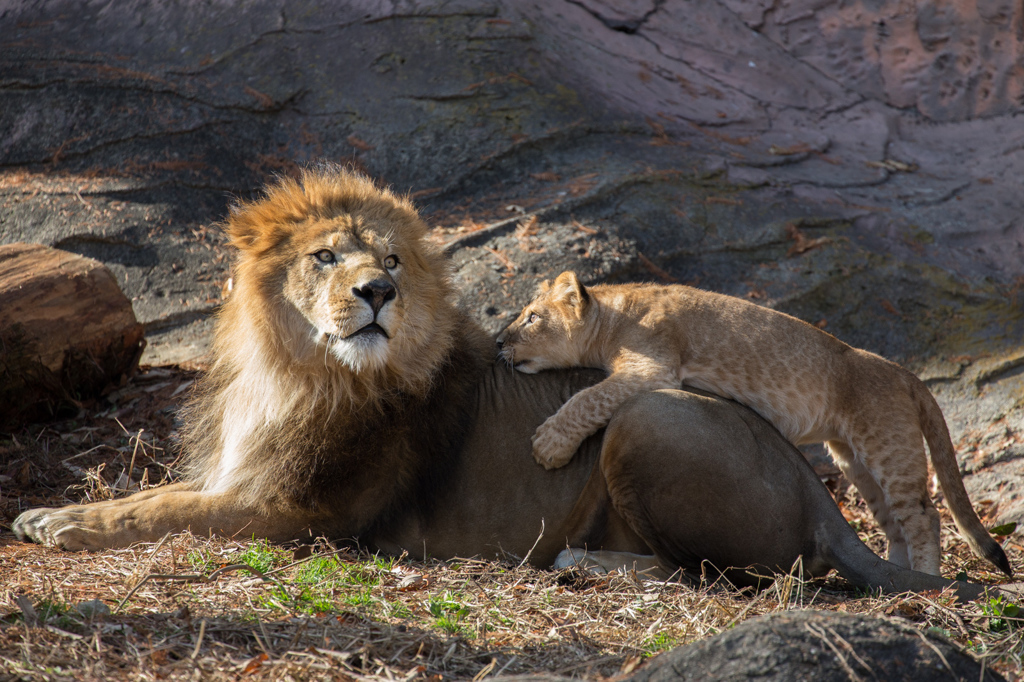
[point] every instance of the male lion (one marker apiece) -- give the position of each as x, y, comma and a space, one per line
349, 397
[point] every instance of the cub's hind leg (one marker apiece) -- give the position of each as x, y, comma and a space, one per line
855, 471
900, 465
891, 474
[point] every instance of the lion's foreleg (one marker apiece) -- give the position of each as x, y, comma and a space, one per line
148, 516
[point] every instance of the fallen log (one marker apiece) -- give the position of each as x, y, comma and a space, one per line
67, 333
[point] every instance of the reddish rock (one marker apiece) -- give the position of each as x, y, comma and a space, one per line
67, 332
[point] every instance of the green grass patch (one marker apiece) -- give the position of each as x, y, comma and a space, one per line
360, 599
314, 602
262, 556
448, 612
318, 570
1004, 615
323, 584
658, 643
201, 560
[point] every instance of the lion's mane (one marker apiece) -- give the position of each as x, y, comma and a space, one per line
302, 428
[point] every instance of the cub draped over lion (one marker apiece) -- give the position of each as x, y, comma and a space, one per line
874, 415
350, 397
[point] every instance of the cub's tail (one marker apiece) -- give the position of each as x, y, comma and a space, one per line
936, 434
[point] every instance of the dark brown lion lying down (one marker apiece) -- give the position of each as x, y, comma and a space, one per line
349, 397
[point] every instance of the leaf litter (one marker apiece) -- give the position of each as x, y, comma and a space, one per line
188, 606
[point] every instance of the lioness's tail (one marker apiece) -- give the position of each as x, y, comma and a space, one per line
844, 551
936, 434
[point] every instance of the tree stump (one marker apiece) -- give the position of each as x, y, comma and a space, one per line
67, 333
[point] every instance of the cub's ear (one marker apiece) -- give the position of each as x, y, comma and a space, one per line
543, 287
570, 291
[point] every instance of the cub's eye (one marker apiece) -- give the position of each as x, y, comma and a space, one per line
533, 318
391, 262
325, 256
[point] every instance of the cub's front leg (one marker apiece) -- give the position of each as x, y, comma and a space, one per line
148, 516
557, 439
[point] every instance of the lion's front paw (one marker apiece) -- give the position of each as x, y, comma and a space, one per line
30, 526
65, 528
553, 449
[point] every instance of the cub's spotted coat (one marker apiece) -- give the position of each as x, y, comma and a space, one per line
874, 415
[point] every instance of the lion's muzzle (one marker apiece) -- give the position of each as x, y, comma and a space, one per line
376, 293
369, 330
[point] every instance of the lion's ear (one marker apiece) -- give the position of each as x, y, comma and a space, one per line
543, 287
250, 229
570, 291
264, 223
242, 233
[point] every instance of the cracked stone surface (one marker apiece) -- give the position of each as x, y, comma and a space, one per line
856, 165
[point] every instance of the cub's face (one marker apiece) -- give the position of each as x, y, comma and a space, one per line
546, 334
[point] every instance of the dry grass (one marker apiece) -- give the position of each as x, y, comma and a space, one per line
189, 607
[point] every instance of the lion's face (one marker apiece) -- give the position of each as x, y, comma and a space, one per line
337, 273
352, 287
548, 332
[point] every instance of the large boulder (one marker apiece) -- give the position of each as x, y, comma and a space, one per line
810, 646
816, 646
67, 333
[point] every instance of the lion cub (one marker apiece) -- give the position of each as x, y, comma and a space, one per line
873, 414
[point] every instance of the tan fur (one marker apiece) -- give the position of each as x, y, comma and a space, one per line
874, 415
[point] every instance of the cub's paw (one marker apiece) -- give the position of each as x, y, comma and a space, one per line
553, 449
67, 528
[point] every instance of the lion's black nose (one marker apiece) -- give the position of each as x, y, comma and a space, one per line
376, 293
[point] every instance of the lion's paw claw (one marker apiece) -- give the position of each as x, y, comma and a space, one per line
30, 526
52, 528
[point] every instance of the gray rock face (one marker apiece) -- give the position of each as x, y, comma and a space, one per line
817, 646
857, 167
811, 646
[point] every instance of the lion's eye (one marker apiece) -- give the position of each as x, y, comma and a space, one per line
533, 318
325, 256
391, 262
